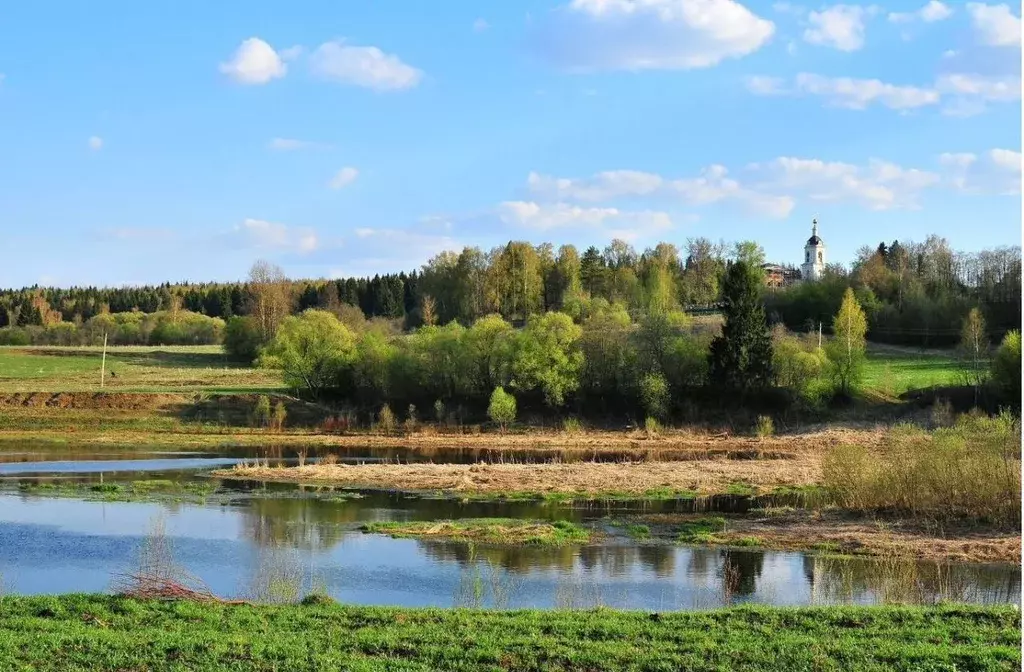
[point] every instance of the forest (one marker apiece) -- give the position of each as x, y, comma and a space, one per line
912, 293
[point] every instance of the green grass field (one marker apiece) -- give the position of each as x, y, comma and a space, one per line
81, 632
892, 371
129, 369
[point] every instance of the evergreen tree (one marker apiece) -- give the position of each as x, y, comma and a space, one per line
741, 357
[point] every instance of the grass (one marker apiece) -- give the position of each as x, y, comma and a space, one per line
700, 531
124, 491
892, 371
75, 633
505, 531
129, 369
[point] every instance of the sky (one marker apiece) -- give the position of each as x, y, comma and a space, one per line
143, 142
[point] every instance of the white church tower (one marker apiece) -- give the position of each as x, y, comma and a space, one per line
814, 256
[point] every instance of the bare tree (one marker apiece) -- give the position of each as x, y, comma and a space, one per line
270, 297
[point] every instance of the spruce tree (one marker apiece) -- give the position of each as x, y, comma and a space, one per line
741, 357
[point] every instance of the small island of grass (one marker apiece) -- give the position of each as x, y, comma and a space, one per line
488, 531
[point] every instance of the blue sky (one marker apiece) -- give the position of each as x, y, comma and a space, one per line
143, 142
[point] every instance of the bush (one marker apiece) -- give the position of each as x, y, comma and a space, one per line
572, 426
279, 415
410, 419
261, 412
652, 426
502, 408
386, 421
314, 351
242, 339
970, 470
439, 411
1006, 371
654, 395
764, 427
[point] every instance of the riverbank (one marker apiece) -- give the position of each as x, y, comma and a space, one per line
593, 480
835, 531
94, 632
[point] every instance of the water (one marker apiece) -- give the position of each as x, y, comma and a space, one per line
55, 545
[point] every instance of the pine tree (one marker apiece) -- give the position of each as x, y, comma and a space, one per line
741, 358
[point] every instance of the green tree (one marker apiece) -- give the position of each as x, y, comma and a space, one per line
313, 350
741, 357
489, 350
654, 395
548, 357
502, 408
846, 347
242, 338
1006, 371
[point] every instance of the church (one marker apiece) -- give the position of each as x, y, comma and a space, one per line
811, 269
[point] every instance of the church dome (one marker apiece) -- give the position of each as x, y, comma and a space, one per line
814, 240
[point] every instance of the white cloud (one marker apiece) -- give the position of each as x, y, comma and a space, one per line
480, 25
95, 143
858, 94
840, 27
634, 35
766, 86
343, 178
997, 171
545, 217
995, 25
711, 186
931, 12
262, 234
879, 185
291, 144
374, 250
368, 67
970, 93
254, 62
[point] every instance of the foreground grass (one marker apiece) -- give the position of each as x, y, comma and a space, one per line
488, 531
129, 369
89, 632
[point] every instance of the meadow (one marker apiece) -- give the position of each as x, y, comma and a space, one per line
87, 632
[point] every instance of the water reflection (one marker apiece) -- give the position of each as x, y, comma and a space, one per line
64, 545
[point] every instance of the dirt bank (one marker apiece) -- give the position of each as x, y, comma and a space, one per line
93, 400
836, 531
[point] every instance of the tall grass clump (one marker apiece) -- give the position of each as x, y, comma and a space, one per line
764, 427
970, 471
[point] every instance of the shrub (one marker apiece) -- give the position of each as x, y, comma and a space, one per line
572, 425
654, 395
242, 338
386, 421
313, 350
652, 426
942, 413
439, 411
765, 426
278, 416
410, 419
970, 470
1006, 371
502, 408
261, 411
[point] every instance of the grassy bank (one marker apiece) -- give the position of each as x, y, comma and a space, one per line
487, 531
81, 632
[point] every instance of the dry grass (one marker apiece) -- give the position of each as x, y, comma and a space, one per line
969, 471
699, 476
836, 531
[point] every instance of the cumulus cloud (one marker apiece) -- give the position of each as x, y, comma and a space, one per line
633, 35
343, 178
254, 62
930, 13
995, 25
367, 67
262, 234
95, 143
879, 185
840, 27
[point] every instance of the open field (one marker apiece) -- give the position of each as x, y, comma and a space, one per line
892, 370
129, 369
88, 632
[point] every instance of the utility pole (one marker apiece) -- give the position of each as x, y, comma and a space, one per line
103, 361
